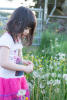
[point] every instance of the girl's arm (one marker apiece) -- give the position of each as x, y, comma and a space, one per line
5, 63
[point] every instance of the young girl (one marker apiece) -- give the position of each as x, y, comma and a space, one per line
20, 27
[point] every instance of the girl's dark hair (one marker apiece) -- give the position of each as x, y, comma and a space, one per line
20, 19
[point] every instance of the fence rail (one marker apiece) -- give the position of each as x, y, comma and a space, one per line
62, 17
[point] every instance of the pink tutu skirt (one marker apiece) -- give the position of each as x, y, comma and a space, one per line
9, 88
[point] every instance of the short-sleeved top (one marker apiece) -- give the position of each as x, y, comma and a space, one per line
7, 40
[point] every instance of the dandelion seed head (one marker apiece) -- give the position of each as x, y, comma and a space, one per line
65, 76
53, 74
36, 74
21, 92
41, 86
43, 91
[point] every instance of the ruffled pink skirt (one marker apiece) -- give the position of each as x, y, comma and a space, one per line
9, 88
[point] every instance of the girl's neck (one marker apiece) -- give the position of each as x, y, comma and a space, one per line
17, 40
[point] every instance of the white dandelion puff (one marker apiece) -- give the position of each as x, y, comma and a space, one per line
51, 67
43, 51
59, 75
65, 76
53, 74
21, 92
43, 91
50, 82
56, 82
41, 86
36, 74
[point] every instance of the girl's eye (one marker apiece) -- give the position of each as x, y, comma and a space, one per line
28, 28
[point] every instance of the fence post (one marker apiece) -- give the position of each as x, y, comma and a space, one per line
45, 10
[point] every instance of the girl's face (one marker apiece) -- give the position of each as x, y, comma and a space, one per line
26, 31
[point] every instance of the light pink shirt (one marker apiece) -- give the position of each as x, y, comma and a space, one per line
6, 40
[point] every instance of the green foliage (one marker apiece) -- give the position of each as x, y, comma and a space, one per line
48, 81
64, 47
4, 14
52, 42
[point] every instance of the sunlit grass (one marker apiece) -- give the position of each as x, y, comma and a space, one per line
48, 81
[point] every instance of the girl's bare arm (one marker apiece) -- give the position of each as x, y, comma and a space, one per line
5, 63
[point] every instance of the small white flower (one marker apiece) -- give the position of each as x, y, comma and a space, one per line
50, 82
41, 69
52, 47
37, 64
43, 51
56, 82
50, 40
42, 77
36, 74
47, 75
56, 39
59, 75
32, 55
58, 68
43, 91
61, 56
30, 84
42, 57
41, 86
58, 63
51, 67
57, 45
56, 58
21, 92
57, 90
65, 76
66, 82
39, 60
53, 74
55, 64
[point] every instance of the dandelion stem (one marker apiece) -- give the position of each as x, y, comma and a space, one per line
24, 97
43, 96
33, 89
21, 97
50, 92
37, 90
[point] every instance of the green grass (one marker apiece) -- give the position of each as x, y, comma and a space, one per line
52, 42
50, 64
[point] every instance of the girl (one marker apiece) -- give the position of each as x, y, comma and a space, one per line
20, 27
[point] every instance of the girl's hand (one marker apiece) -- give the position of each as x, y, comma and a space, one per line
27, 62
29, 68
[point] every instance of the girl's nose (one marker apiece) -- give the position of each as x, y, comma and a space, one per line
26, 31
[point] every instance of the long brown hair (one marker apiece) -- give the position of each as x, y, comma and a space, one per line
20, 19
